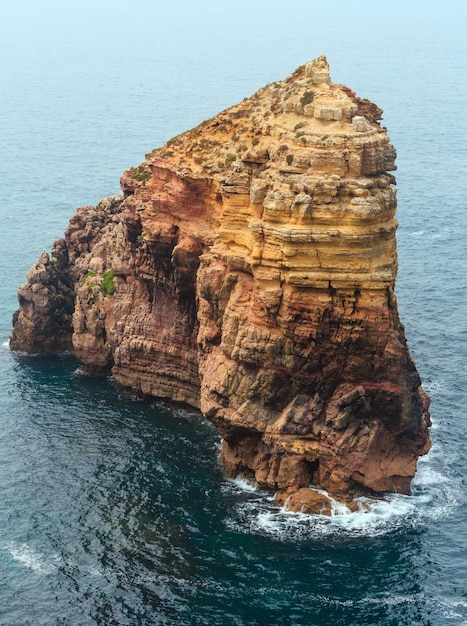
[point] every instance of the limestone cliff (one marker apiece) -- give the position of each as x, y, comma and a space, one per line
249, 270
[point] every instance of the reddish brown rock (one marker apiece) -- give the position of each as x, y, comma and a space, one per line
249, 271
307, 501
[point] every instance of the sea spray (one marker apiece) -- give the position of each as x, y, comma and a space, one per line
435, 496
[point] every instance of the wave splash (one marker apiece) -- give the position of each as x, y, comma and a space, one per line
32, 559
434, 496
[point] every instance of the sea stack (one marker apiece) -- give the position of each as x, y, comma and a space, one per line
248, 270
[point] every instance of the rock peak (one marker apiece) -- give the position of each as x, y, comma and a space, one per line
292, 146
318, 70
249, 271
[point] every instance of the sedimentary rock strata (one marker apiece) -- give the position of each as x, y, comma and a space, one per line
248, 270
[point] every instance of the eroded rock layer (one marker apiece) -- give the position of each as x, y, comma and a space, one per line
249, 270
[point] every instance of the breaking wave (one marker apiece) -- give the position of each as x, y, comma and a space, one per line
434, 496
32, 559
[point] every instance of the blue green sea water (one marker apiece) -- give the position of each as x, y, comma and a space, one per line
114, 509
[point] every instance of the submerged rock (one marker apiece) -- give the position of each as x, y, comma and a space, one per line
249, 270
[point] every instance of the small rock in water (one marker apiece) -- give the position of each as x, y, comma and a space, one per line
306, 500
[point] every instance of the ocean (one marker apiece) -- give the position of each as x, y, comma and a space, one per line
114, 509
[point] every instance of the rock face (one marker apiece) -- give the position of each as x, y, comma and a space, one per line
249, 270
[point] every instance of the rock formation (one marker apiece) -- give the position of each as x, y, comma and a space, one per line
249, 270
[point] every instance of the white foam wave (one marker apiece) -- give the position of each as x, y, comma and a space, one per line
434, 497
434, 387
6, 345
80, 371
94, 570
428, 476
281, 524
392, 600
242, 485
32, 559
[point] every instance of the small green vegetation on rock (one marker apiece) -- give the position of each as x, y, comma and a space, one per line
88, 274
229, 159
140, 173
175, 140
201, 125
108, 285
307, 97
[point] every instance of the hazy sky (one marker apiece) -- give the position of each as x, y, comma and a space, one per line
72, 20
